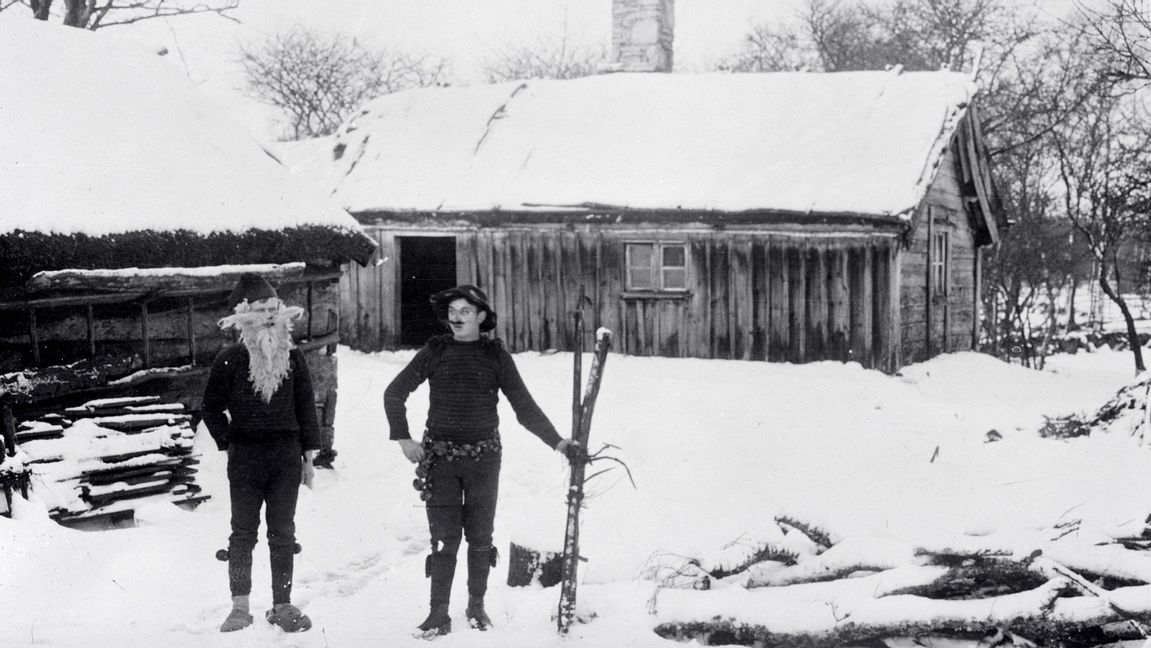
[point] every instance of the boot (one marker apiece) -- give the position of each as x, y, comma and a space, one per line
477, 617
480, 563
288, 618
441, 568
239, 618
438, 623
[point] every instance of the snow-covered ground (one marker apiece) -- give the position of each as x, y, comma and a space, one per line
717, 450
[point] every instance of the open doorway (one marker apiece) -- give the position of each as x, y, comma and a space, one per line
427, 266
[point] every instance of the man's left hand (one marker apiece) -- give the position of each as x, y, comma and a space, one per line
307, 473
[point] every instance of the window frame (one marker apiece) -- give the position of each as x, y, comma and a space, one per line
657, 269
940, 276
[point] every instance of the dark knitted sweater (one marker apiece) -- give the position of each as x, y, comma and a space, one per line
464, 379
292, 410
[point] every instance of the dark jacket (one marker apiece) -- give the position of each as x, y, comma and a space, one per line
292, 410
465, 379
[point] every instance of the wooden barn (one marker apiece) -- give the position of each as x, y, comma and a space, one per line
129, 206
783, 217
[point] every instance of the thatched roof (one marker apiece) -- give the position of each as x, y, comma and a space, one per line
114, 159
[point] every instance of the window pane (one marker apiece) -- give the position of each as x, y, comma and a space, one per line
674, 279
639, 278
640, 266
640, 255
674, 256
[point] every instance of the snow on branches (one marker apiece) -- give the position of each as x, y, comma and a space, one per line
1037, 586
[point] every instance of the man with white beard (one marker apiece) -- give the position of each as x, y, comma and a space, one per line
271, 434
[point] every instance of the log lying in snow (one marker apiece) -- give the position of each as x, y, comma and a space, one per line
1039, 615
1048, 587
977, 578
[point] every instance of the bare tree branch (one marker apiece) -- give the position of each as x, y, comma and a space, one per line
1121, 36
127, 13
545, 59
318, 79
94, 14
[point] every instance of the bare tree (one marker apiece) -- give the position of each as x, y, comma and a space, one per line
1030, 281
833, 35
546, 59
1121, 35
318, 79
771, 48
1103, 153
94, 14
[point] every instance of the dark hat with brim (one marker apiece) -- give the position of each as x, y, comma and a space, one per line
474, 295
251, 287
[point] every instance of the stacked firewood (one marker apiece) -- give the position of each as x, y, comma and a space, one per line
1061, 586
104, 458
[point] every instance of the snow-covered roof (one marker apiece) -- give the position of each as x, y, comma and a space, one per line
99, 137
864, 143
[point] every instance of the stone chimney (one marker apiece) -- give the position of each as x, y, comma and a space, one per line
641, 35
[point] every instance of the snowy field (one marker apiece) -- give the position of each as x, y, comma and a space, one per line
717, 450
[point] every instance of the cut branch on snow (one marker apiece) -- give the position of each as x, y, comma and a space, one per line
816, 534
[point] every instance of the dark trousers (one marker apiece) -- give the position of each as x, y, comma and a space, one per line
462, 506
263, 474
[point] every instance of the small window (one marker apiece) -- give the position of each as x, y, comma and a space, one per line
940, 261
657, 266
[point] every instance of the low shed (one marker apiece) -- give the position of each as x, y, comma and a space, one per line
129, 206
782, 217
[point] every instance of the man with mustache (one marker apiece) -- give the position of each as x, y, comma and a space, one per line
259, 407
459, 456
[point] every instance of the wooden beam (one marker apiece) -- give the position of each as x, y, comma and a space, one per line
34, 336
309, 309
928, 311
90, 313
778, 338
816, 333
976, 292
144, 334
838, 304
895, 278
797, 261
191, 331
175, 282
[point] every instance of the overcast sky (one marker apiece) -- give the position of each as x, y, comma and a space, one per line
462, 31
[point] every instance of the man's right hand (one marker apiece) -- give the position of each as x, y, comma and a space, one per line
413, 450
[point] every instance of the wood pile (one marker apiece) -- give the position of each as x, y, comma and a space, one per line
105, 457
1056, 588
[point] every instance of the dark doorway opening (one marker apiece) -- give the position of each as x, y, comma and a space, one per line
427, 266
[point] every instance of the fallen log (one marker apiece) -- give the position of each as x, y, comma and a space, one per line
976, 578
1044, 615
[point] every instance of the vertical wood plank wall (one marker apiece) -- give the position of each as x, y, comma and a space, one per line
752, 296
948, 322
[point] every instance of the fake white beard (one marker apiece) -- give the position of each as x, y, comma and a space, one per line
268, 346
